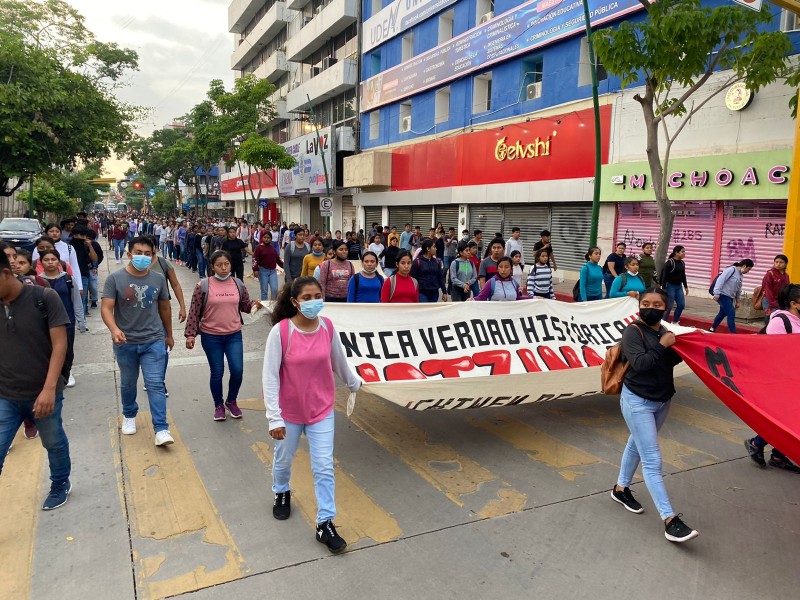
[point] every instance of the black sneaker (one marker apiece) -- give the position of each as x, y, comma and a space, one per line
625, 497
59, 492
784, 464
326, 534
756, 453
282, 506
678, 531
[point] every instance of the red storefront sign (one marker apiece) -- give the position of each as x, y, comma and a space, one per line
558, 147
257, 181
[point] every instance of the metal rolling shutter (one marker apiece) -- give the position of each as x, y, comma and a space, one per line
531, 219
315, 220
570, 228
448, 215
752, 230
348, 215
422, 216
486, 217
399, 216
372, 214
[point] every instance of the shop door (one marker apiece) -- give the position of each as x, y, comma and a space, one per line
531, 220
570, 226
752, 230
486, 217
399, 216
448, 215
348, 215
422, 216
372, 214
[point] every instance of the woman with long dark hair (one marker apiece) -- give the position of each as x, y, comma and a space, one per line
727, 290
591, 277
673, 279
302, 343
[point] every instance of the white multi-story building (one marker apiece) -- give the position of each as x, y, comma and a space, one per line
309, 50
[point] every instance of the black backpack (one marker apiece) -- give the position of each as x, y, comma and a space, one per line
786, 324
576, 291
357, 278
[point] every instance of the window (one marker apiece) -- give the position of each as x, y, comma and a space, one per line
482, 93
408, 46
789, 21
532, 75
442, 105
484, 10
446, 26
374, 63
405, 117
377, 6
374, 124
584, 66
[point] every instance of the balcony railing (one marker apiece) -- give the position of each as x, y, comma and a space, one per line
267, 28
314, 31
329, 83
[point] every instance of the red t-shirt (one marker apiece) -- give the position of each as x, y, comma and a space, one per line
405, 290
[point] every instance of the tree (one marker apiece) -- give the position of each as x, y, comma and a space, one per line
167, 154
75, 183
57, 105
51, 199
675, 51
163, 202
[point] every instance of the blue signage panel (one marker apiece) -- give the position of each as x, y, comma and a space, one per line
520, 30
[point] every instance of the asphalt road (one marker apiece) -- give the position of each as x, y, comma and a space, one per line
493, 503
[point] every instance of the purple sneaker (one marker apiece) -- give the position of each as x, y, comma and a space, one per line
219, 413
234, 409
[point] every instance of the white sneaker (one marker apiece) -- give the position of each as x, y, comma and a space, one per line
71, 381
117, 262
163, 438
128, 425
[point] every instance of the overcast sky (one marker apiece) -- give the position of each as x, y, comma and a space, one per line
182, 45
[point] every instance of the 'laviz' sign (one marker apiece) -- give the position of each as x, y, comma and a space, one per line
396, 18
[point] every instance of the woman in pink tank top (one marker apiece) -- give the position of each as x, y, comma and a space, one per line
303, 352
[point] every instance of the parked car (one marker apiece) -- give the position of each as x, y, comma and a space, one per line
21, 233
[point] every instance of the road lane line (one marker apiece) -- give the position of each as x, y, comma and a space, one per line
180, 532
20, 498
358, 515
454, 475
539, 446
729, 430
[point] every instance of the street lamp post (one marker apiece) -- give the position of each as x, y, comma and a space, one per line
597, 141
322, 155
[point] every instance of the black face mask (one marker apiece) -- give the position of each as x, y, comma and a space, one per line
651, 316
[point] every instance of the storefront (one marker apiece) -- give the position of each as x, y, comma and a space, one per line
727, 208
254, 193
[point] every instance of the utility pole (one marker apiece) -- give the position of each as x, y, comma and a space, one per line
598, 166
322, 155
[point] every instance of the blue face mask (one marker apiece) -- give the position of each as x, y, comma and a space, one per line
222, 278
141, 262
311, 308
317, 253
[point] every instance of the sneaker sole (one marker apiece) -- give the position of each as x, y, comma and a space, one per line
615, 499
219, 418
166, 443
281, 517
233, 416
752, 456
32, 437
128, 432
672, 538
63, 503
337, 551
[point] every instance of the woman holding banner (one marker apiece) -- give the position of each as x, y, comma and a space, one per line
301, 342
647, 389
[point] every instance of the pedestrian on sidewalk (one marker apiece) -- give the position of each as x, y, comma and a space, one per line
727, 290
647, 390
614, 266
590, 282
673, 279
34, 343
785, 320
773, 282
540, 277
544, 243
647, 265
217, 304
301, 342
629, 283
268, 260
137, 312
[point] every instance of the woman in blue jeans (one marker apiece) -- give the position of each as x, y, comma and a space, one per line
727, 290
647, 390
673, 278
217, 304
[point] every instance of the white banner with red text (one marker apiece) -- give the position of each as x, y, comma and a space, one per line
480, 354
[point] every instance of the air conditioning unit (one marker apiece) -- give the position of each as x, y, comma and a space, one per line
487, 17
405, 124
328, 62
533, 91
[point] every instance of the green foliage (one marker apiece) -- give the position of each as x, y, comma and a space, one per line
167, 154
50, 199
263, 153
56, 102
163, 202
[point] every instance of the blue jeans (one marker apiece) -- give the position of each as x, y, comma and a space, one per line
608, 278
217, 348
151, 358
389, 271
51, 431
93, 286
85, 296
428, 296
726, 310
182, 252
320, 445
268, 280
447, 260
200, 262
119, 249
675, 295
644, 419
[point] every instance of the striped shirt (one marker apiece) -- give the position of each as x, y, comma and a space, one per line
540, 281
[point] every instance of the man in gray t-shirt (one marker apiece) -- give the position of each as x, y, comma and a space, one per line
136, 310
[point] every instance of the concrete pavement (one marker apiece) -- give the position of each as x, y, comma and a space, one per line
509, 503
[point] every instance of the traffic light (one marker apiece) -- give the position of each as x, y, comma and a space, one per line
137, 185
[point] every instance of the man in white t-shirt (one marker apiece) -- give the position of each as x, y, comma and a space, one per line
515, 244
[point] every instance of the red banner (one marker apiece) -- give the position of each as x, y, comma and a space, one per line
756, 376
558, 147
257, 181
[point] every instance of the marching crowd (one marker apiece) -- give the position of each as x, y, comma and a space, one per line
383, 266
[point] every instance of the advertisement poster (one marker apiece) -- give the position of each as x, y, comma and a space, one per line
308, 175
396, 18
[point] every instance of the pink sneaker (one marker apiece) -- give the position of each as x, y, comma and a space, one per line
234, 409
219, 413
31, 431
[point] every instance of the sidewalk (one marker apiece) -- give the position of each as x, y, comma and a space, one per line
699, 312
